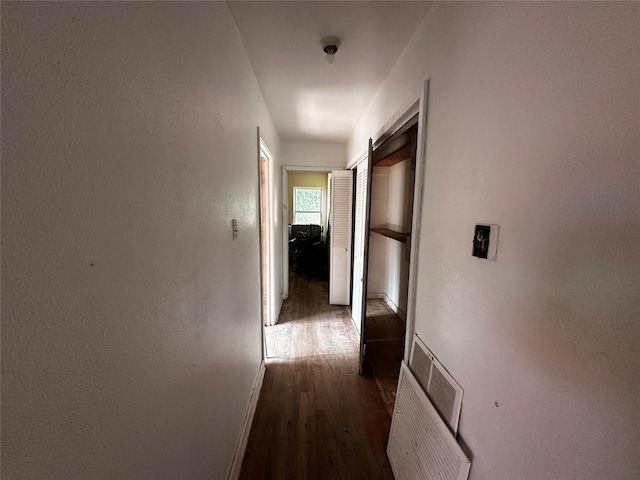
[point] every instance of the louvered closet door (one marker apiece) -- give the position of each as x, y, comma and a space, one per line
366, 207
358, 241
340, 263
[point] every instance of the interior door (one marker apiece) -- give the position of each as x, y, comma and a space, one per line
340, 245
362, 300
362, 189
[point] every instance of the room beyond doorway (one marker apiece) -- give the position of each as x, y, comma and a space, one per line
306, 226
308, 223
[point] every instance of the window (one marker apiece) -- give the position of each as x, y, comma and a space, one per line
307, 206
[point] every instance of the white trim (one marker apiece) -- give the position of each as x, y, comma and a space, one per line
263, 146
421, 159
278, 310
241, 447
267, 291
375, 295
284, 221
355, 325
361, 157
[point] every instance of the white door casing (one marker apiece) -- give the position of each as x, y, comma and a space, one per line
416, 220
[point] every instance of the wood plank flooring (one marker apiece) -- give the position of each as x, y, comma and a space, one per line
316, 417
385, 348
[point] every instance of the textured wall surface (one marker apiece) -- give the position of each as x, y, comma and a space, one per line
533, 125
131, 332
399, 218
378, 218
331, 155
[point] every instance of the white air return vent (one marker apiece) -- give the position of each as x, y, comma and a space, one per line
443, 391
421, 446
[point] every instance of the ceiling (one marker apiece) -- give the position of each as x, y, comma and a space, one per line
309, 100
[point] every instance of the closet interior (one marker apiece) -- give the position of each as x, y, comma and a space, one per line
389, 252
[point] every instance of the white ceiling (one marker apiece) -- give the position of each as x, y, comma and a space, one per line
309, 100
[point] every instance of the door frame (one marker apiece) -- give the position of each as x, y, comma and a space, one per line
265, 186
416, 104
285, 217
416, 221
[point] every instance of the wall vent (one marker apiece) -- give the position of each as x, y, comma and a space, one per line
443, 391
421, 445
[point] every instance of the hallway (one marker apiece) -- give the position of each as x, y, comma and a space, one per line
316, 417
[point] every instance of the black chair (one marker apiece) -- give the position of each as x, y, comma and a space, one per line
307, 254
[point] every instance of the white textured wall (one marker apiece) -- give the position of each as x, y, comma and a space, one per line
533, 124
396, 281
131, 320
378, 216
276, 289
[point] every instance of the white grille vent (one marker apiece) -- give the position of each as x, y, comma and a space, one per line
420, 364
440, 387
421, 445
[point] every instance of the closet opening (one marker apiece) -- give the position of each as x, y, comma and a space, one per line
391, 196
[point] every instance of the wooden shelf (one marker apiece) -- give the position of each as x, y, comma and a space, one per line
396, 157
385, 232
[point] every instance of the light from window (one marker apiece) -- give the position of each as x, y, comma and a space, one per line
307, 204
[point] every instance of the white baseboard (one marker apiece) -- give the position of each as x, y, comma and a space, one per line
375, 295
278, 310
355, 325
397, 310
238, 456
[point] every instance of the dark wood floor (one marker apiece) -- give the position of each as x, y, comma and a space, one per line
316, 417
385, 348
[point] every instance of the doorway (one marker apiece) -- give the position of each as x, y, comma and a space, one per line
305, 225
389, 255
308, 221
390, 193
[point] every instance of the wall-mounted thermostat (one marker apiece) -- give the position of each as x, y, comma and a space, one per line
485, 242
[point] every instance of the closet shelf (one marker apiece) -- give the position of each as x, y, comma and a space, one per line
398, 156
385, 232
